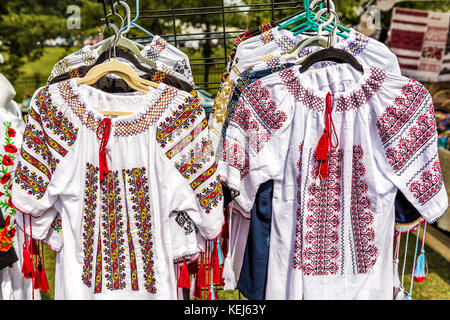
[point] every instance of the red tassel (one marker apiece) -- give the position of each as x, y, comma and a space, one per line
215, 265
105, 125
43, 280
201, 276
322, 147
183, 280
37, 276
325, 145
27, 264
193, 267
35, 244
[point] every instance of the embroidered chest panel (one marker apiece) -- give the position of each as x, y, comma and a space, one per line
117, 213
322, 217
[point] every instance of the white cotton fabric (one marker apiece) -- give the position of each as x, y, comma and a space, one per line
318, 249
139, 143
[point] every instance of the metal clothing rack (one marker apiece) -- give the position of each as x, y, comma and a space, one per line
225, 35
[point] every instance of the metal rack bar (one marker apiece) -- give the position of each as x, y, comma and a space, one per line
224, 34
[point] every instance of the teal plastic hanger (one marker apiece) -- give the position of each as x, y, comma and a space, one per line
310, 23
133, 23
300, 17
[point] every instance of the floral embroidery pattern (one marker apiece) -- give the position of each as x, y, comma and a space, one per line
209, 197
181, 119
321, 237
98, 266
364, 94
122, 128
113, 233
190, 163
184, 222
187, 140
235, 156
53, 119
7, 208
344, 103
155, 49
361, 217
204, 176
133, 265
57, 225
297, 258
30, 181
430, 183
138, 182
258, 118
90, 208
420, 134
405, 107
36, 141
221, 102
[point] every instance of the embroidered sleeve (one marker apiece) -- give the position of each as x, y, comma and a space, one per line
253, 148
184, 140
47, 138
409, 153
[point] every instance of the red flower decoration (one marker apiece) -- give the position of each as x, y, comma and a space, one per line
11, 205
10, 148
11, 133
5, 241
7, 161
6, 177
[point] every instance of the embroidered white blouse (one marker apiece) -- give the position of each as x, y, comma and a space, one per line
263, 52
333, 238
187, 242
117, 235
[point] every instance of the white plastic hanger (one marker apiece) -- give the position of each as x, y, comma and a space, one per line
319, 39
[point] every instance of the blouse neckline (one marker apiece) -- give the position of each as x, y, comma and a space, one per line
149, 106
359, 92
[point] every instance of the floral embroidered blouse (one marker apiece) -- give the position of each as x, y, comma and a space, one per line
332, 237
115, 181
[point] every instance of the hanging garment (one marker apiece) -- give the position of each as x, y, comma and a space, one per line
187, 243
274, 133
366, 50
13, 285
168, 59
116, 181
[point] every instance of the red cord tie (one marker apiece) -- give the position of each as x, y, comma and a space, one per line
325, 145
104, 129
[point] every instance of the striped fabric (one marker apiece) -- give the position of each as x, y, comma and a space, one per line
421, 41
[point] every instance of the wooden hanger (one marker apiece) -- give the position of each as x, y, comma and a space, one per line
120, 69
